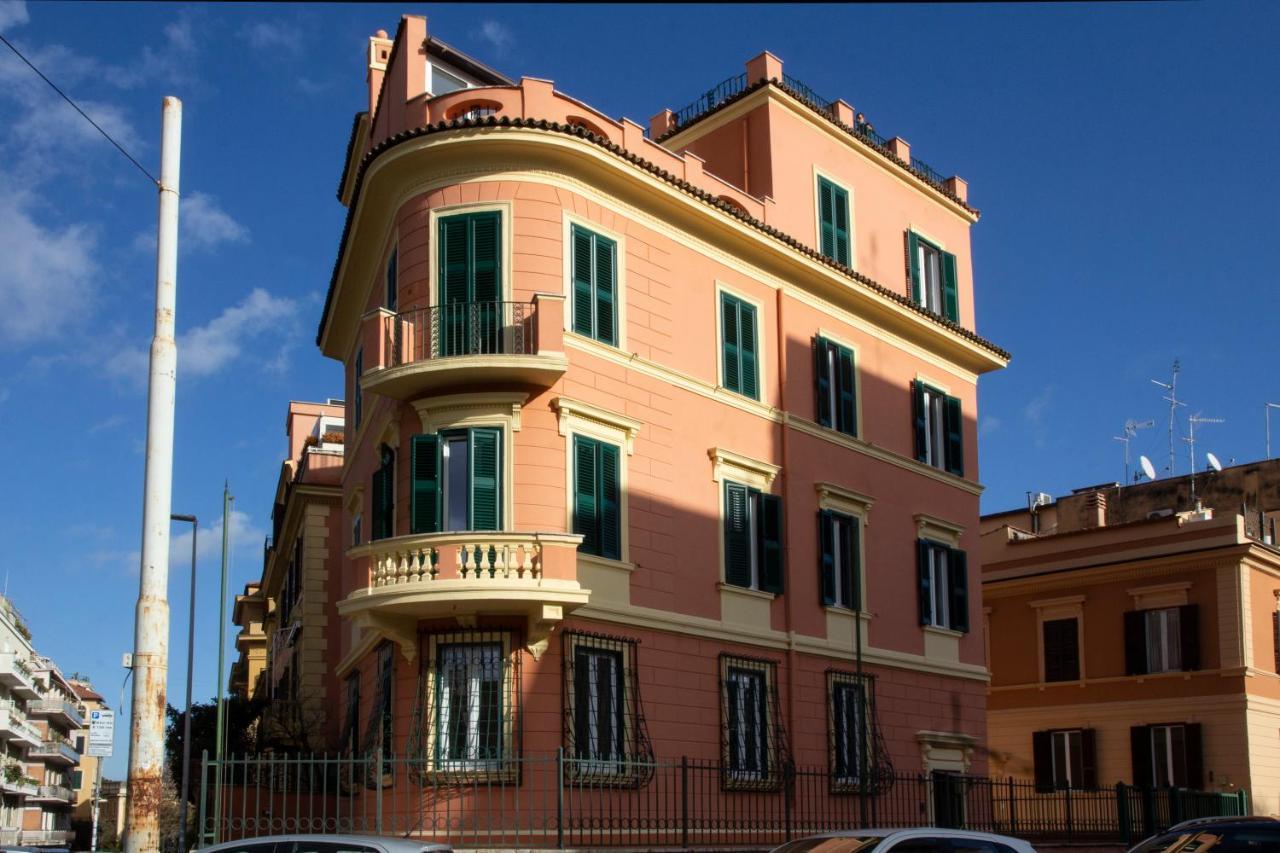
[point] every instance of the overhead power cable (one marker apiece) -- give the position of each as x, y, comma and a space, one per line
83, 114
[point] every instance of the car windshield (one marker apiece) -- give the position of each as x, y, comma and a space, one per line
838, 844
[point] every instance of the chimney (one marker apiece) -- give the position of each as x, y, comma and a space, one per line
379, 53
1095, 510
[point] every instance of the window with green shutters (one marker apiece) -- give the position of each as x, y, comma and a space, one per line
739, 350
393, 279
833, 222
939, 428
943, 585
836, 390
933, 277
456, 480
752, 538
470, 283
357, 395
839, 562
596, 497
595, 285
383, 494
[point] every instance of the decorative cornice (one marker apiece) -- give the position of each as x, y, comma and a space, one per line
568, 409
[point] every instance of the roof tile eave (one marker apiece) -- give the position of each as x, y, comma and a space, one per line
632, 157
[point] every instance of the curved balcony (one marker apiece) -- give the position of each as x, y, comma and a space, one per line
427, 350
17, 675
464, 575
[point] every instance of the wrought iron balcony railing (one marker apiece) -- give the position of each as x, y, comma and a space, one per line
461, 328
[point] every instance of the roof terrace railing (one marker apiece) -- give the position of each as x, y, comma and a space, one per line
711, 99
825, 105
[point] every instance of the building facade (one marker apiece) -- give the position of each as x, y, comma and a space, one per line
40, 716
85, 777
649, 432
287, 620
1134, 636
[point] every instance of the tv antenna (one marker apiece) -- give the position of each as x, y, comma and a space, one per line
1172, 399
1191, 442
1131, 428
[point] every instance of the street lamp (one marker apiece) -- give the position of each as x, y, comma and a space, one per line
186, 718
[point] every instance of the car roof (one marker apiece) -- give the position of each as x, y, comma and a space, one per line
917, 831
392, 845
1240, 820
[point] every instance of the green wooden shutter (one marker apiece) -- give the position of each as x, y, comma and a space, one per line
1042, 757
455, 259
606, 272
586, 498
954, 419
486, 492
729, 342
425, 496
950, 298
913, 267
854, 578
827, 219
840, 215
920, 413
737, 536
377, 493
826, 559
747, 349
582, 703
958, 577
846, 398
769, 541
925, 587
386, 494
357, 393
1140, 756
486, 256
610, 504
582, 270
392, 279
822, 380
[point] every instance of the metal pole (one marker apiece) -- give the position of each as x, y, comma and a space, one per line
97, 793
151, 622
186, 718
218, 735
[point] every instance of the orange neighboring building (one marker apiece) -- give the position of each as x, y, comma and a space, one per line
643, 425
288, 623
1134, 638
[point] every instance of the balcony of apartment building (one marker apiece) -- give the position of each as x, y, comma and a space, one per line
14, 725
14, 780
465, 574
47, 837
55, 749
459, 344
17, 674
58, 710
57, 795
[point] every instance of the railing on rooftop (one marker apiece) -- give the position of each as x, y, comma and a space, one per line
926, 171
825, 105
711, 99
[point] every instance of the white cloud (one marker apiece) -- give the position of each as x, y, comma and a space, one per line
44, 271
205, 225
262, 35
12, 13
989, 424
242, 536
1034, 411
4, 393
107, 423
206, 349
497, 35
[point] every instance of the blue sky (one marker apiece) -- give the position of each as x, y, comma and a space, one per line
1123, 158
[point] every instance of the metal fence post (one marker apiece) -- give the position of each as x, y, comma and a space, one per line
1070, 816
1148, 812
684, 801
1013, 809
788, 790
1175, 806
377, 788
1122, 814
204, 779
1242, 802
560, 798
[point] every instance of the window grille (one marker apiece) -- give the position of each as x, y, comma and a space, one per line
755, 752
605, 735
855, 766
467, 708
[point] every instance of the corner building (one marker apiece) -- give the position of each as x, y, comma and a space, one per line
643, 424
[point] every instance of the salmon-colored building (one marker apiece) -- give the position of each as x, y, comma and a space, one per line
643, 425
1134, 636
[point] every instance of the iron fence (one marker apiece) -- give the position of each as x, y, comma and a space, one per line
553, 801
806, 93
460, 328
710, 99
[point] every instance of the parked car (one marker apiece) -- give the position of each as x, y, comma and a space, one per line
1216, 835
308, 843
922, 840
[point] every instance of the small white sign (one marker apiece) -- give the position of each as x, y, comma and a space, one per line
102, 733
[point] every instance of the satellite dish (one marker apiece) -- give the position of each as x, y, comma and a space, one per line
1213, 462
1146, 467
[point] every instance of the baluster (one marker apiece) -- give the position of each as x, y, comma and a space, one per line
434, 555
535, 560
415, 565
502, 560
463, 555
